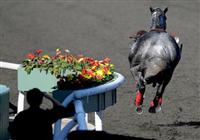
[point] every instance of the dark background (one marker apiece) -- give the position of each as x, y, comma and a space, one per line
101, 29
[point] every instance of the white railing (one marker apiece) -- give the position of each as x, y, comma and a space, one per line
7, 65
20, 102
13, 66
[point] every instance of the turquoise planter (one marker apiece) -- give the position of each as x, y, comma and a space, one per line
93, 103
47, 82
93, 99
36, 79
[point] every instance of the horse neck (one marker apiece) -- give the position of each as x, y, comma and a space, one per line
154, 26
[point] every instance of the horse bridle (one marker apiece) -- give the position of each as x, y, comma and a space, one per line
158, 20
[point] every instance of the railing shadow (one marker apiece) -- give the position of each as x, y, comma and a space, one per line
100, 135
13, 108
195, 124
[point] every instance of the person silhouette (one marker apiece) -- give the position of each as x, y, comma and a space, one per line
35, 123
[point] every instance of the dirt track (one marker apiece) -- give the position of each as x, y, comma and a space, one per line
101, 29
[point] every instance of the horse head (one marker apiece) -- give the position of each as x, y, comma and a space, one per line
158, 18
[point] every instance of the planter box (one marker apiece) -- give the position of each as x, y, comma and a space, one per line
47, 82
92, 103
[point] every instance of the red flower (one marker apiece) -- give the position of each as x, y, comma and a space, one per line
70, 59
87, 73
105, 69
38, 51
95, 63
30, 56
106, 60
62, 57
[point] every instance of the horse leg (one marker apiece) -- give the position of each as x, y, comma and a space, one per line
140, 89
139, 97
155, 105
157, 101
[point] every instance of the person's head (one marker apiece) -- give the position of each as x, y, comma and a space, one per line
34, 97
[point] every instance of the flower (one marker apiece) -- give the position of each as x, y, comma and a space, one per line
30, 56
46, 56
99, 74
72, 71
58, 52
67, 51
38, 52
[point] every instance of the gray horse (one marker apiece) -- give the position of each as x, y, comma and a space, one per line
153, 58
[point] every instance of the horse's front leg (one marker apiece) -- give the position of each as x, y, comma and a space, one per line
140, 89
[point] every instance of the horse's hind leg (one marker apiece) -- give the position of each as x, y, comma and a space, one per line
140, 89
155, 105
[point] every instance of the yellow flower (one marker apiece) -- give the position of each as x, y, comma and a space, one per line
46, 57
58, 52
87, 76
109, 73
99, 74
93, 68
69, 77
80, 60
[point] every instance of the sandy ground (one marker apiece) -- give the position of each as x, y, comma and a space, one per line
101, 29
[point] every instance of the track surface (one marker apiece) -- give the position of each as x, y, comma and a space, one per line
101, 29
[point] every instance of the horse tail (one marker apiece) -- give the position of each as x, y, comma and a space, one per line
180, 48
176, 38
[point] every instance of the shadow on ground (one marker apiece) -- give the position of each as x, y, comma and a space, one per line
100, 135
179, 124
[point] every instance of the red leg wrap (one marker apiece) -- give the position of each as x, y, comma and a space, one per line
160, 100
138, 99
152, 104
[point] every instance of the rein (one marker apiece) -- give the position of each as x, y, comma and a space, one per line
173, 34
158, 30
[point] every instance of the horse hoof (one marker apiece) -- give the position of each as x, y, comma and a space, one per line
158, 108
152, 110
139, 110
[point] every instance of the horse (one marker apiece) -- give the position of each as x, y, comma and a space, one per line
153, 57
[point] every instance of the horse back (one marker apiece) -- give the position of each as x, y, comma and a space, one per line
154, 45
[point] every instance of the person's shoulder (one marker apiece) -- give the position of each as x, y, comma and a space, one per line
22, 113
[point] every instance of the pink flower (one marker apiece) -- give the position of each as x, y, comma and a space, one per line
40, 62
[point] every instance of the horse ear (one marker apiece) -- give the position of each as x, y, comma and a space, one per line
151, 9
166, 9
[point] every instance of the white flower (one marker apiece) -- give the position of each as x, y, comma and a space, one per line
67, 51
